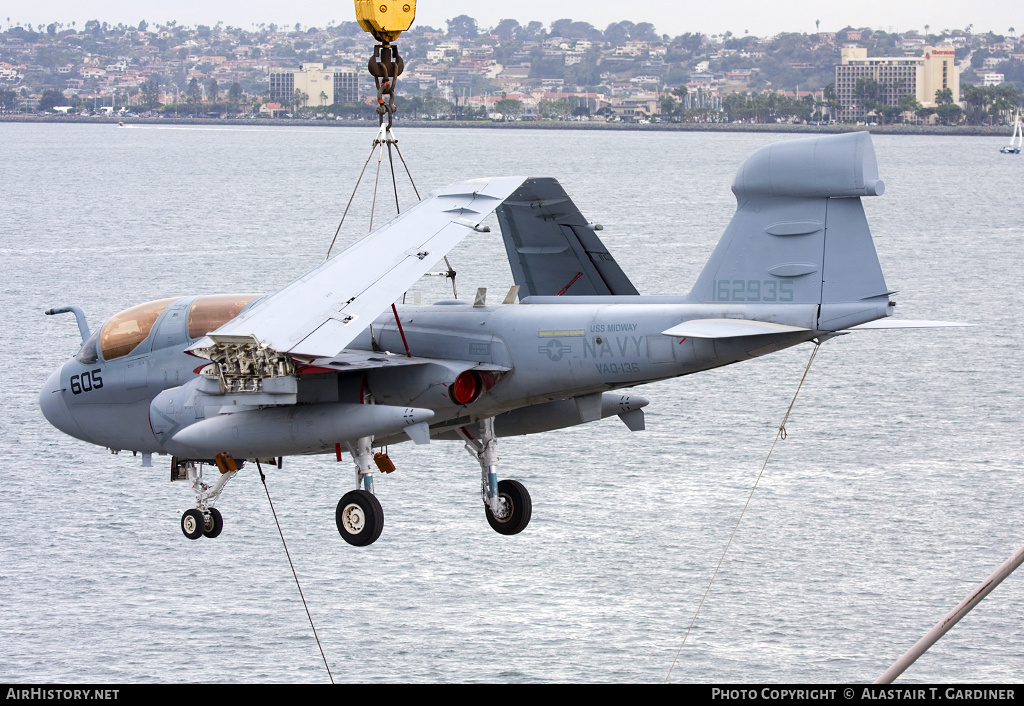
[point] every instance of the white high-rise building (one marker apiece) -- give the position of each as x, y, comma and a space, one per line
920, 76
319, 86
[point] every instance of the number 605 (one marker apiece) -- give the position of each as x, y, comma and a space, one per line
89, 380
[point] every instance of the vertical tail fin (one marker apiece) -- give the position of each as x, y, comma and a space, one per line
551, 247
800, 235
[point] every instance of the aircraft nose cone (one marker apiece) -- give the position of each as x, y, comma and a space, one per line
51, 402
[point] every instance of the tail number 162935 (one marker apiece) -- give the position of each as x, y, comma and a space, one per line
752, 290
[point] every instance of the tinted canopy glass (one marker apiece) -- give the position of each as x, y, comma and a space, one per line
211, 312
125, 331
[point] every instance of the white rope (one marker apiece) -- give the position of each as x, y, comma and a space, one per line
781, 434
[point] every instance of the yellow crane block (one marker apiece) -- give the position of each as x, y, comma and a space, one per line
385, 19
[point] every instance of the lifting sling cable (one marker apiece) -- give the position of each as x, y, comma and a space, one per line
781, 434
385, 22
386, 65
294, 574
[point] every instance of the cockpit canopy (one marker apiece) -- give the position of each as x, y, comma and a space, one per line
211, 312
123, 332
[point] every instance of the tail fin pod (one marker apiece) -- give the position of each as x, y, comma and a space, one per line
800, 235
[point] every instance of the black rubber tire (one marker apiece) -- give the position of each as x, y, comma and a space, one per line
192, 523
359, 517
518, 498
214, 527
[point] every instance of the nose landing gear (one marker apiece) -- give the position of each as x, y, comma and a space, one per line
192, 524
196, 523
203, 520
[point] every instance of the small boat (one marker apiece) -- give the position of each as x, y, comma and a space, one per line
1016, 140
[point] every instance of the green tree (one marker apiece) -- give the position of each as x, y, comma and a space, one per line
556, 110
949, 113
151, 92
909, 103
413, 105
51, 97
534, 30
618, 32
8, 100
462, 26
888, 113
510, 109
507, 30
669, 106
868, 93
193, 93
235, 93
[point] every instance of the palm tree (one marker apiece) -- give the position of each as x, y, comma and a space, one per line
299, 99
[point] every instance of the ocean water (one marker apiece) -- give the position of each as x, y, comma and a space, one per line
898, 489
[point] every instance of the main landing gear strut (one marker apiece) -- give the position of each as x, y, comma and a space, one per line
204, 520
507, 504
359, 515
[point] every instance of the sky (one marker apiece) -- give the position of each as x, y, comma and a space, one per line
671, 17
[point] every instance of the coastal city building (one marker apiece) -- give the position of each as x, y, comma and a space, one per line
919, 76
570, 71
314, 85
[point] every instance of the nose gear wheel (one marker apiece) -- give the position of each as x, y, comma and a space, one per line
193, 523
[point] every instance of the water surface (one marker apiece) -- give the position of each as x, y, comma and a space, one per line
898, 489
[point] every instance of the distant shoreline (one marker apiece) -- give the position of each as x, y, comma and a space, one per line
969, 130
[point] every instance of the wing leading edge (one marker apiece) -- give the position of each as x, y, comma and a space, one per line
319, 314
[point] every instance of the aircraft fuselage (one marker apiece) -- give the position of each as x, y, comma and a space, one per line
551, 351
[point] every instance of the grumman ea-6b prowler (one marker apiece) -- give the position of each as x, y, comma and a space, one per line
329, 363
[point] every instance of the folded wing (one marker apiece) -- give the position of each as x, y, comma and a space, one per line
322, 312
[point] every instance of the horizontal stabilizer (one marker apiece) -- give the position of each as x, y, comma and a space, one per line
905, 323
727, 328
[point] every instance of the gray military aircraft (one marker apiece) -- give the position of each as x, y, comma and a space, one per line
330, 364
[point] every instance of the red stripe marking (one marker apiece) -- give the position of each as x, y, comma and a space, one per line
402, 331
571, 282
313, 369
